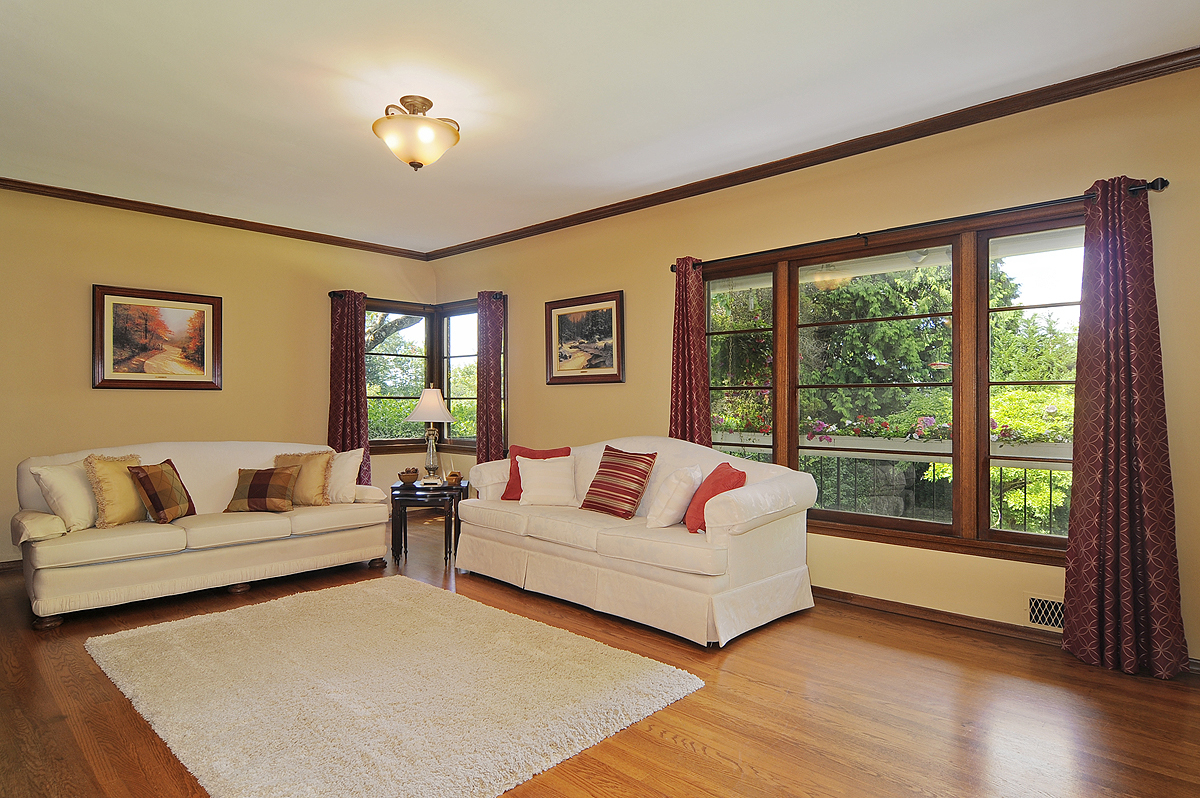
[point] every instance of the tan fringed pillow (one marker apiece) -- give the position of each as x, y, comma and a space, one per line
265, 490
117, 499
312, 484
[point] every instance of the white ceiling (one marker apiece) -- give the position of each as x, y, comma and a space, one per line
262, 109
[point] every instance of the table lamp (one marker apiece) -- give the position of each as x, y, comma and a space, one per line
431, 408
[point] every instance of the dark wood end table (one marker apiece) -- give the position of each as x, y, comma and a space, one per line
445, 496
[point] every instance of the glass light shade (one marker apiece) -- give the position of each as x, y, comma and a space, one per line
415, 139
430, 407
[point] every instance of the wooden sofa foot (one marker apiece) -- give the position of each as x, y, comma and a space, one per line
240, 587
49, 622
378, 562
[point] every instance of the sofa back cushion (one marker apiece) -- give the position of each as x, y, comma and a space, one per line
619, 483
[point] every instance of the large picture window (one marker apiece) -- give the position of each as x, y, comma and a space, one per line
929, 378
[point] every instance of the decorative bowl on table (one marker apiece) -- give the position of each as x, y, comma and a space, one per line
454, 478
409, 476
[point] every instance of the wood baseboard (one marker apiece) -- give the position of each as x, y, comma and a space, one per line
954, 619
941, 616
11, 565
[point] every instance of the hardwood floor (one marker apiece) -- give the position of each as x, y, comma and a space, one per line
835, 701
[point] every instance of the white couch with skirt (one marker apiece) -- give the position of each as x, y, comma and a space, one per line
91, 567
747, 568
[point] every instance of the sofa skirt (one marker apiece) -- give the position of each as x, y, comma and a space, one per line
696, 607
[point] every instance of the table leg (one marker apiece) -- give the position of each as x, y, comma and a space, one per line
457, 525
404, 531
449, 509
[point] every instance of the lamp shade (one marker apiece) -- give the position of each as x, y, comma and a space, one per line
430, 407
416, 139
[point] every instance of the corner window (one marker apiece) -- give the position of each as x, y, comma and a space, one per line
408, 348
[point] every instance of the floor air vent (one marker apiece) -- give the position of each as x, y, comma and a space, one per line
1046, 613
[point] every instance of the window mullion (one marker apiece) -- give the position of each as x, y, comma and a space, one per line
783, 373
970, 327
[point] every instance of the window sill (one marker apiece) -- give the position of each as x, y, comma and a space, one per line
410, 447
980, 548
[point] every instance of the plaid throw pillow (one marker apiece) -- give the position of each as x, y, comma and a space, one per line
265, 490
620, 482
162, 491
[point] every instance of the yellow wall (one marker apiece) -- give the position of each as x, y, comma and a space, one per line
276, 330
1145, 130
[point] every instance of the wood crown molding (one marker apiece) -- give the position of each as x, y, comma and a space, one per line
1095, 83
9, 184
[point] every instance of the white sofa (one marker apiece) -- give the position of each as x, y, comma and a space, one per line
65, 572
746, 569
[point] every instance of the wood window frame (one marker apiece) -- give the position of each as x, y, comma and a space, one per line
436, 365
970, 531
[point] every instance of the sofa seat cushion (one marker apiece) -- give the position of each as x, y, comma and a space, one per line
501, 515
673, 548
227, 529
327, 518
574, 527
121, 542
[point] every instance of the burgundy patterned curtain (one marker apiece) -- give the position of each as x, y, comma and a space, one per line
348, 377
1122, 590
690, 418
489, 420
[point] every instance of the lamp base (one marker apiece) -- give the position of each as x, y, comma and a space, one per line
429, 483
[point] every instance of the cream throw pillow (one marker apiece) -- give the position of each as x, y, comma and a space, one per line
343, 476
312, 484
69, 493
673, 497
548, 482
117, 499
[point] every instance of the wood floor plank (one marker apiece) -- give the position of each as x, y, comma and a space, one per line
834, 701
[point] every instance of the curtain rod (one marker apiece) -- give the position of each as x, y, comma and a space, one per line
1157, 184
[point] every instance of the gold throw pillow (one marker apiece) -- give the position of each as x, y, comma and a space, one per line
312, 484
117, 499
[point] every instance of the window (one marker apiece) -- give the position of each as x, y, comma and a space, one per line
408, 348
459, 367
925, 379
740, 355
397, 359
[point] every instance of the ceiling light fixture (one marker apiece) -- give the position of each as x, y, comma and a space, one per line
414, 138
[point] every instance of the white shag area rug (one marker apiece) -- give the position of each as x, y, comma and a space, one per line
387, 687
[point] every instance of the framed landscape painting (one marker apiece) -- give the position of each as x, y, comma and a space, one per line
155, 339
585, 339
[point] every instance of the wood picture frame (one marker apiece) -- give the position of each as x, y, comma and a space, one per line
585, 339
155, 339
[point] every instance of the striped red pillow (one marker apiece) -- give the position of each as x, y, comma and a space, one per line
620, 482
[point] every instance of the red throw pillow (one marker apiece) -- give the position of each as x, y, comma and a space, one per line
724, 477
512, 491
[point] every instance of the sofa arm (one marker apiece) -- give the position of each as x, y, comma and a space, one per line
490, 478
32, 525
742, 509
368, 494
